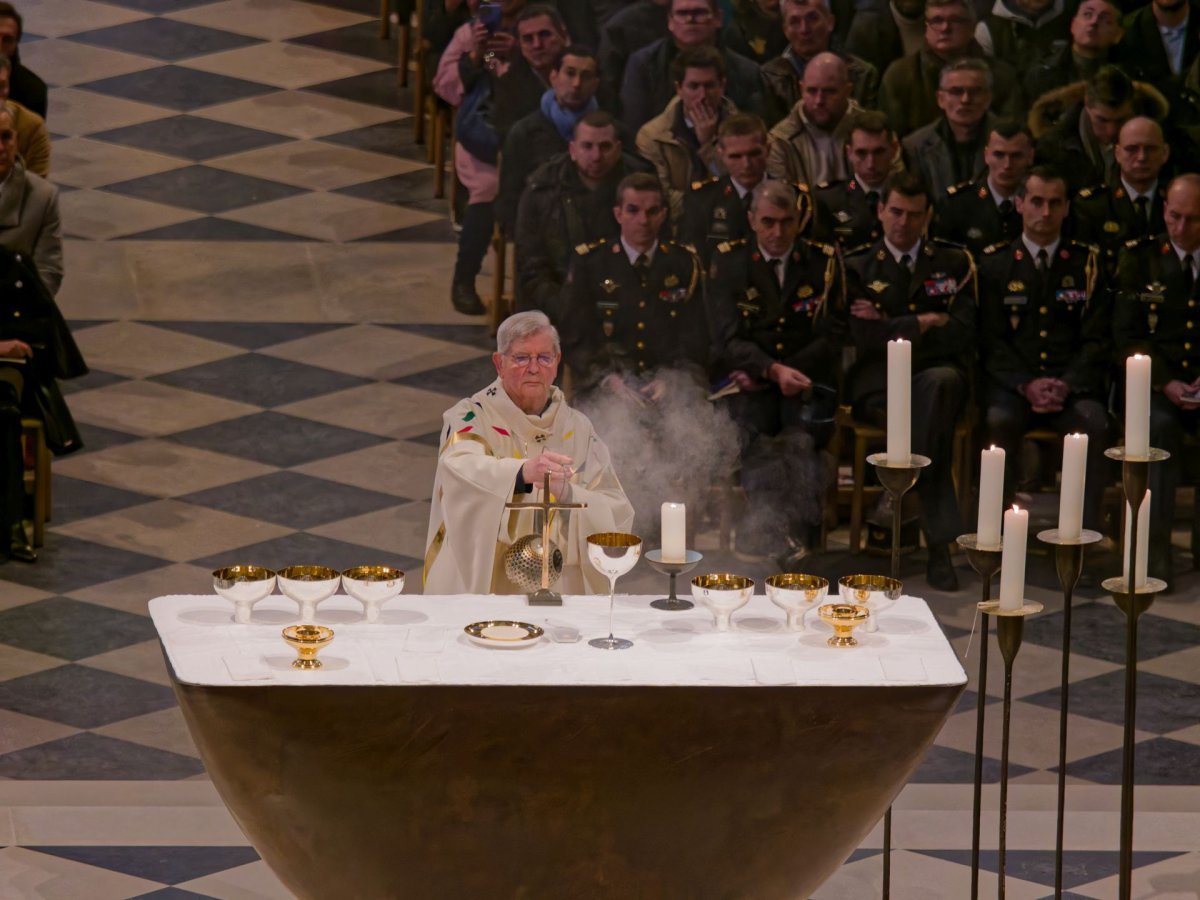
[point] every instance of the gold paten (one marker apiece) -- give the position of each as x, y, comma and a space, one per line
307, 640
843, 618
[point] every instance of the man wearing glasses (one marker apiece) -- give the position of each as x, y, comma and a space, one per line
908, 91
497, 446
648, 86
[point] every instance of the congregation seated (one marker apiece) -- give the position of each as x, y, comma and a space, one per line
754, 31
626, 32
33, 140
1023, 32
881, 37
809, 27
847, 212
24, 86
681, 141
1160, 42
29, 220
1095, 32
541, 35
648, 82
807, 146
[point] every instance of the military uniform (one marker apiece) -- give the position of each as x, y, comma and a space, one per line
942, 280
757, 322
1046, 324
845, 213
1106, 216
621, 321
968, 214
1157, 312
713, 214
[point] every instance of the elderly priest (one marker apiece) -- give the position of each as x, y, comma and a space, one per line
497, 446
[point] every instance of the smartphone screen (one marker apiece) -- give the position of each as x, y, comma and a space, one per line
490, 15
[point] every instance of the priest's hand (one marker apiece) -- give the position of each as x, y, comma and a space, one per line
791, 381
557, 465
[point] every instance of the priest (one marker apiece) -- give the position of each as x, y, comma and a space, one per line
497, 447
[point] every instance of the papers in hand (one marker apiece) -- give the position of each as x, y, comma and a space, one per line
726, 387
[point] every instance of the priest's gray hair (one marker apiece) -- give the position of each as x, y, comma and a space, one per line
523, 325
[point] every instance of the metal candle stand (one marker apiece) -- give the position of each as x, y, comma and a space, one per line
1133, 601
897, 480
1010, 629
672, 602
986, 562
1068, 561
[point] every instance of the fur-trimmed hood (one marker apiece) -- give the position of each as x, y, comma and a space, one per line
1050, 108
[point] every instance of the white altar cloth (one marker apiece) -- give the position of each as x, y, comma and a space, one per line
419, 640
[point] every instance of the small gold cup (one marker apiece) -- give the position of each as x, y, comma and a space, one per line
307, 640
843, 618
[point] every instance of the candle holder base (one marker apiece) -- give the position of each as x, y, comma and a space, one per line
1154, 454
672, 568
984, 559
1142, 598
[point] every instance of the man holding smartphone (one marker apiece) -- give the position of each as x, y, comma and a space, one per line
1157, 312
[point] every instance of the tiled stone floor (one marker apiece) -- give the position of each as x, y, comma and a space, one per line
258, 277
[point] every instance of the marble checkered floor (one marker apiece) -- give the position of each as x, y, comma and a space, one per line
257, 274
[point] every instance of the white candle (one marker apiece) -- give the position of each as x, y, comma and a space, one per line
1143, 543
674, 532
1012, 560
991, 497
899, 403
1070, 498
1137, 406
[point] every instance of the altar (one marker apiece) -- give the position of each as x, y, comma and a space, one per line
416, 763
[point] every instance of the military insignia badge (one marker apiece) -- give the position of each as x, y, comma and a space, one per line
751, 293
974, 233
1016, 286
1070, 296
1112, 227
1068, 282
941, 287
671, 281
1152, 321
881, 255
720, 213
878, 286
1153, 293
805, 291
608, 328
609, 285
842, 216
758, 45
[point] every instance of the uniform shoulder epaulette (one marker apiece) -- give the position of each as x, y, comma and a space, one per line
994, 248
1087, 192
827, 249
704, 182
1144, 239
801, 187
955, 188
942, 242
861, 248
586, 248
1084, 245
727, 246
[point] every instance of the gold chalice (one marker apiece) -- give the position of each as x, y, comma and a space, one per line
795, 594
373, 586
308, 586
843, 618
875, 592
722, 594
307, 639
243, 586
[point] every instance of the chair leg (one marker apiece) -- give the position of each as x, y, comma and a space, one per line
496, 311
41, 487
423, 103
404, 36
385, 21
438, 142
856, 497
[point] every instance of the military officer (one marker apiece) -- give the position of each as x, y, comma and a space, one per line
776, 308
847, 212
983, 212
904, 286
1131, 207
1157, 312
1045, 323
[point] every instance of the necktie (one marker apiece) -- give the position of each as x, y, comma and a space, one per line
1142, 205
642, 266
778, 266
905, 273
1043, 260
1006, 208
873, 202
1189, 273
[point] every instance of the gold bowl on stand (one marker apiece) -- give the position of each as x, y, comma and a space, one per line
843, 618
307, 640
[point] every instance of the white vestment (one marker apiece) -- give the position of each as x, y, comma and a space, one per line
486, 439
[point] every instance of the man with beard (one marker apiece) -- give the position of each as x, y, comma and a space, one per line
809, 27
807, 146
847, 212
983, 211
777, 312
905, 286
567, 203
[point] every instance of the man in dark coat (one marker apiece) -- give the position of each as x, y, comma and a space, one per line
1045, 322
24, 86
1157, 312
1095, 32
904, 286
1023, 32
847, 212
882, 37
648, 86
777, 313
623, 35
1161, 40
541, 37
567, 203
36, 348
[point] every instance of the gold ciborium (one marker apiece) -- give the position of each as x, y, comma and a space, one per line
875, 592
843, 618
795, 594
722, 595
307, 639
243, 586
373, 586
308, 586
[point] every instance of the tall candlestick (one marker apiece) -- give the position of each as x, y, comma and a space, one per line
1137, 406
674, 532
991, 497
1143, 544
1012, 560
1070, 498
899, 403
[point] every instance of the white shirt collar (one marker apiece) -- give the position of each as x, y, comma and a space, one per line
897, 252
997, 197
741, 191
634, 254
1034, 248
1195, 255
1134, 193
767, 256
